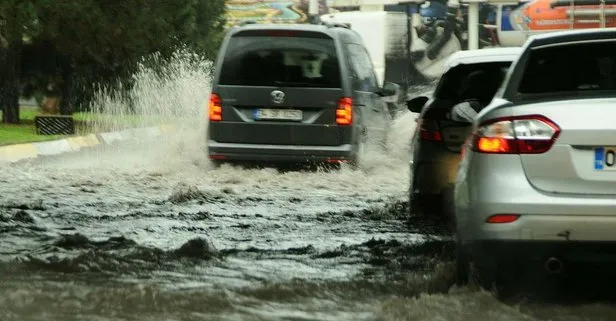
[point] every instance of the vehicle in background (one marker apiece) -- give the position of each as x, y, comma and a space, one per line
536, 186
471, 76
385, 36
295, 93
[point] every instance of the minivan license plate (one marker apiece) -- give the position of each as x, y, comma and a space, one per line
605, 158
278, 114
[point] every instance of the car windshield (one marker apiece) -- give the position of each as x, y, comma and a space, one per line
281, 61
587, 67
456, 84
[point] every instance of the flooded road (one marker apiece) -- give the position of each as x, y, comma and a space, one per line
150, 231
112, 234
141, 232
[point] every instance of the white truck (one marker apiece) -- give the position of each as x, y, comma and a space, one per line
393, 49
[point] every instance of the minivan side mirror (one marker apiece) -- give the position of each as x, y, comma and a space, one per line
416, 104
390, 89
463, 113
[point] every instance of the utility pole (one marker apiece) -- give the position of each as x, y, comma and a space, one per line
313, 10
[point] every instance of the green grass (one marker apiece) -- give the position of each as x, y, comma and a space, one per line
26, 131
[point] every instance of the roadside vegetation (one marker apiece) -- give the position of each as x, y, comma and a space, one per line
25, 131
60, 54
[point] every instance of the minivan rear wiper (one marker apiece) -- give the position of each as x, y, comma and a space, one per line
292, 83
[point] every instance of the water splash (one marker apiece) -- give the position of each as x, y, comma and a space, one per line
175, 93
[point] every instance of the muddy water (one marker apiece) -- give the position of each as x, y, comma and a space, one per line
137, 232
149, 231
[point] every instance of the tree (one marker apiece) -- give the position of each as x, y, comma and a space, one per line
74, 44
17, 18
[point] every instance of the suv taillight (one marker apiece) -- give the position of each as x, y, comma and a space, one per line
530, 134
428, 130
344, 111
215, 107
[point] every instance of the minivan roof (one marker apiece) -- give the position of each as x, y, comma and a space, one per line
329, 30
478, 56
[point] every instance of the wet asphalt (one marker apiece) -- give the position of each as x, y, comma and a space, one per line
151, 231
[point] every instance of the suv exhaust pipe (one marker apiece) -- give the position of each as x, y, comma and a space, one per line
554, 265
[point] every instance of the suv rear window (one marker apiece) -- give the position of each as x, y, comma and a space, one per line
585, 67
290, 61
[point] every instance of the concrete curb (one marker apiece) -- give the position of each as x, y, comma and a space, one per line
18, 152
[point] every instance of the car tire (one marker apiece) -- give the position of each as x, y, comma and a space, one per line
215, 164
490, 279
421, 206
448, 208
462, 272
413, 204
361, 150
359, 155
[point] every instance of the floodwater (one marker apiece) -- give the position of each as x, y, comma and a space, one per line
150, 231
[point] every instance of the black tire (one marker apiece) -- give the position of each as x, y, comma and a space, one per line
469, 273
491, 279
448, 208
462, 266
216, 163
413, 204
361, 151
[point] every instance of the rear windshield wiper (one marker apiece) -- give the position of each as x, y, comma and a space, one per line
293, 83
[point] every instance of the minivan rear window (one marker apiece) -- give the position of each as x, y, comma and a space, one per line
263, 60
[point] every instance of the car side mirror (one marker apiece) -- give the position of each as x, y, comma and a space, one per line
463, 113
390, 89
416, 104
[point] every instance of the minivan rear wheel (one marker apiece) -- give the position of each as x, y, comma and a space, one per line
360, 154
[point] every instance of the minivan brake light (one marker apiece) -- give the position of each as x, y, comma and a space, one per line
215, 107
344, 111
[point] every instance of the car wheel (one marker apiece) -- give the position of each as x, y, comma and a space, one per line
448, 208
491, 279
480, 276
462, 266
215, 164
413, 207
360, 154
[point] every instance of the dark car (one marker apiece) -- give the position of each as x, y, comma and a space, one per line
471, 76
295, 93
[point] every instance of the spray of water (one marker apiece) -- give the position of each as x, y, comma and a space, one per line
172, 95
175, 93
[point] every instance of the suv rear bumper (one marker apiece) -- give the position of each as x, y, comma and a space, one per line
514, 255
279, 153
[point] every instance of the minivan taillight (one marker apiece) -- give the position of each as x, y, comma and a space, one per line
428, 130
215, 107
344, 111
529, 134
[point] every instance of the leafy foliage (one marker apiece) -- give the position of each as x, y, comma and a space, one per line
75, 44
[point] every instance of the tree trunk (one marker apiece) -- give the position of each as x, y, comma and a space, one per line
9, 81
66, 89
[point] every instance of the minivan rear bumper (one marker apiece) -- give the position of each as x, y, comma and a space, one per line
279, 153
